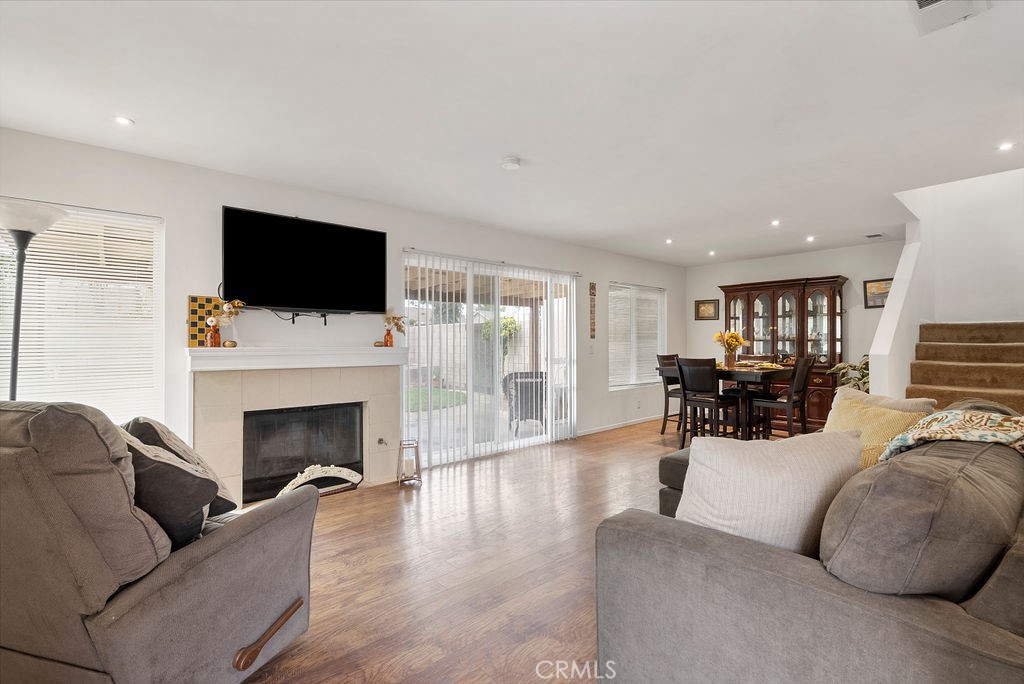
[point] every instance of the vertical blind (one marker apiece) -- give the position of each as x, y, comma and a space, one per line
636, 333
492, 362
91, 322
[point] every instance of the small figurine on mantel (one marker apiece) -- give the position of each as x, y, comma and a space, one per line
212, 332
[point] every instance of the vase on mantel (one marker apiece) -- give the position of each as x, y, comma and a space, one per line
389, 339
730, 359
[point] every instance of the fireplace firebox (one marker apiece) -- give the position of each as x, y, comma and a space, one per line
279, 443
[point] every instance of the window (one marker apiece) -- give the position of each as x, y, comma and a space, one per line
636, 334
91, 321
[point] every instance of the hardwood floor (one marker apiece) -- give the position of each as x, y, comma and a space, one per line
478, 574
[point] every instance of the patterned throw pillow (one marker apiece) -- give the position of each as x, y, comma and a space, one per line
877, 426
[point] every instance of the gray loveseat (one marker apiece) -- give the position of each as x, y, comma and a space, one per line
89, 588
677, 602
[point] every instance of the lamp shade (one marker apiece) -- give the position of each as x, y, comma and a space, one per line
32, 217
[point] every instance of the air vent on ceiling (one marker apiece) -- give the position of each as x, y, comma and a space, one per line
875, 236
932, 15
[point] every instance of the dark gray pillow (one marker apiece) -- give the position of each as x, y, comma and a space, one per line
932, 520
155, 433
173, 492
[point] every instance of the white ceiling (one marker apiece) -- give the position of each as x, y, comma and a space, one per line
636, 121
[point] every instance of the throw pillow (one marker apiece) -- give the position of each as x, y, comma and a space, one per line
155, 433
932, 520
917, 405
772, 492
173, 492
877, 426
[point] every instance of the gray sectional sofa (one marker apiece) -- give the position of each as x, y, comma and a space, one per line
677, 602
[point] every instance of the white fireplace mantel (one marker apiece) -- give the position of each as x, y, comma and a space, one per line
267, 358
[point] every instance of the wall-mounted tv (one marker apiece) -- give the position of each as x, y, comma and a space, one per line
292, 264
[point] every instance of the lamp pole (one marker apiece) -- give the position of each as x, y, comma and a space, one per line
23, 220
21, 240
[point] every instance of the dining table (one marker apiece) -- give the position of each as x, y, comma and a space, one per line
744, 377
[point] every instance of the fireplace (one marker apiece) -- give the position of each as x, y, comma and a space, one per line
279, 443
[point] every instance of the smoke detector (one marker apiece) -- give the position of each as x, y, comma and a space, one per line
932, 15
511, 163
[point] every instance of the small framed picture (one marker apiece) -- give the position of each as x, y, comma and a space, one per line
705, 310
876, 292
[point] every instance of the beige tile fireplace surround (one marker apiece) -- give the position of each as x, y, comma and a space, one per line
224, 383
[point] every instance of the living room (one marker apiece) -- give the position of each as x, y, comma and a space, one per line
401, 123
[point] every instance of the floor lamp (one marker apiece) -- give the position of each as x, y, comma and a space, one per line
23, 220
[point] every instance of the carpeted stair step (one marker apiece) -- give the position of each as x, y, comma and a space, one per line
1004, 352
970, 333
1014, 398
949, 374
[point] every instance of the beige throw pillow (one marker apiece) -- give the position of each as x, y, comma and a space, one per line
916, 405
772, 492
877, 425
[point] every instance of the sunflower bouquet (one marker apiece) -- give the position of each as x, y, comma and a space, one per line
730, 341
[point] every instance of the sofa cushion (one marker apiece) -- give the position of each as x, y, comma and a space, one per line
916, 405
932, 520
877, 425
152, 432
672, 468
972, 404
772, 492
1000, 601
175, 493
87, 461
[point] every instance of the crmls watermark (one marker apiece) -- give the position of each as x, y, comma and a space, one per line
572, 669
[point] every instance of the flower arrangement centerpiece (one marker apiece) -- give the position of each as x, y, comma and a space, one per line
392, 322
730, 341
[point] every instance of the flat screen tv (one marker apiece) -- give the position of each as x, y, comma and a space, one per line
301, 266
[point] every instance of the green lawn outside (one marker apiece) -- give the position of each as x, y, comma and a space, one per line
425, 398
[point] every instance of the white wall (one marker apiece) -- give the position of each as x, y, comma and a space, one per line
189, 199
973, 230
866, 262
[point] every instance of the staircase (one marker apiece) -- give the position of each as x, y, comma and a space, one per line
980, 360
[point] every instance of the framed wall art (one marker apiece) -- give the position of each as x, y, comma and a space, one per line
876, 292
705, 310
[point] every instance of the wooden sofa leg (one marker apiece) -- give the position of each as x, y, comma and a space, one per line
247, 655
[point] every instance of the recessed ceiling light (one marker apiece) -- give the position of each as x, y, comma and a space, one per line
810, 238
668, 241
775, 222
124, 121
510, 163
1006, 147
711, 253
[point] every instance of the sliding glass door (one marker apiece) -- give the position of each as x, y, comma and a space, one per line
491, 356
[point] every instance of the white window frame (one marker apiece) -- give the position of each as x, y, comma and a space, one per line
642, 371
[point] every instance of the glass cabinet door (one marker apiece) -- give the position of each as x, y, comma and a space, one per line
737, 316
786, 325
762, 339
838, 314
818, 341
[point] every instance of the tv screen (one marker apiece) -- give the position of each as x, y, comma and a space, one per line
292, 264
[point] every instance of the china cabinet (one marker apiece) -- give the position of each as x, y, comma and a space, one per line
790, 319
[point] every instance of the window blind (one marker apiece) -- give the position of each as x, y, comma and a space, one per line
636, 333
91, 321
492, 362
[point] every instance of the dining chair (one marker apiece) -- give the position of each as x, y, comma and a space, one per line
701, 397
795, 397
673, 390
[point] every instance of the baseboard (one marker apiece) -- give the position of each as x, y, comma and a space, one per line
605, 428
